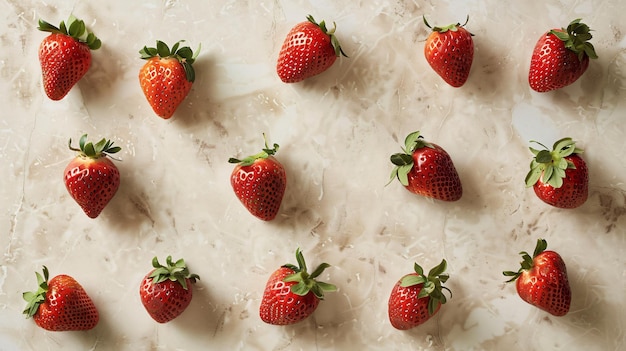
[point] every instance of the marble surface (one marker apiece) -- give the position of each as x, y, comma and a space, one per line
336, 132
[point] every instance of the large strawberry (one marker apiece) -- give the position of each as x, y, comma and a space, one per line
167, 77
65, 55
309, 49
542, 280
259, 181
417, 297
60, 304
166, 291
450, 52
426, 169
292, 294
560, 57
559, 177
91, 178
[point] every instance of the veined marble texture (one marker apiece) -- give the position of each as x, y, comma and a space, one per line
336, 132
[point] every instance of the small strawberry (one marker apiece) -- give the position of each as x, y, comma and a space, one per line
167, 77
309, 49
426, 169
292, 294
416, 297
450, 51
60, 304
559, 177
560, 57
259, 181
91, 178
65, 55
542, 280
166, 291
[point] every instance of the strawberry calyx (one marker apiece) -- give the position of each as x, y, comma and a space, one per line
36, 298
174, 271
331, 33
576, 38
184, 55
404, 161
550, 166
452, 27
527, 260
307, 282
249, 160
94, 151
75, 28
432, 287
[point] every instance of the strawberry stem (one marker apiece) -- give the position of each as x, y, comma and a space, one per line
184, 55
527, 261
550, 165
102, 148
432, 284
404, 161
331, 33
75, 28
267, 152
576, 38
174, 271
306, 282
36, 298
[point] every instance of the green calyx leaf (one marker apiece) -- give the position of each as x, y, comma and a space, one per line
174, 271
306, 282
184, 55
431, 284
451, 28
75, 28
403, 162
331, 33
576, 38
35, 298
102, 148
550, 165
527, 261
248, 161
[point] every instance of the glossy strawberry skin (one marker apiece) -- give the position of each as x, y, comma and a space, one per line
92, 183
260, 187
405, 309
66, 307
434, 175
64, 61
164, 83
574, 191
450, 54
280, 306
166, 300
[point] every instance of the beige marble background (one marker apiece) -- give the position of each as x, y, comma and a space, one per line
336, 132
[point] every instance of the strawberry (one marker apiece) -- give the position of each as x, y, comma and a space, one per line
292, 294
542, 280
167, 77
91, 178
416, 298
309, 49
60, 304
426, 169
259, 181
166, 291
450, 51
65, 55
559, 177
560, 57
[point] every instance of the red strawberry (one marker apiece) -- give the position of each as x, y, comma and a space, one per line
259, 181
426, 169
559, 177
416, 297
309, 49
560, 57
167, 290
292, 294
542, 280
450, 51
167, 77
65, 55
91, 178
61, 304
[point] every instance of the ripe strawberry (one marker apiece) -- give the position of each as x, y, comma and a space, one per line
542, 280
450, 51
559, 177
309, 49
292, 294
91, 178
426, 169
61, 304
259, 181
167, 77
416, 297
560, 57
167, 290
65, 55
